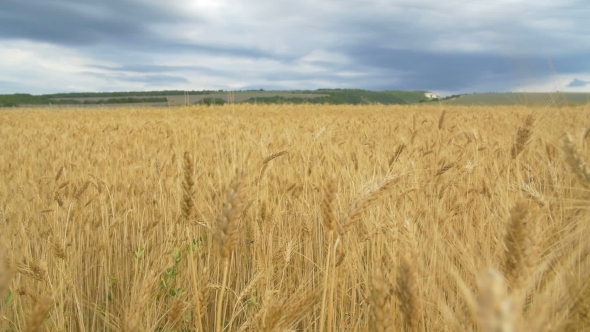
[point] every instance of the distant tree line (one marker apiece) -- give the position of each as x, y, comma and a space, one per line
118, 101
127, 94
320, 96
27, 99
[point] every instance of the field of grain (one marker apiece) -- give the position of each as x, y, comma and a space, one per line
295, 218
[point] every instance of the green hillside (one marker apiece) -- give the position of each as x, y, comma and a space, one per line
524, 98
346, 96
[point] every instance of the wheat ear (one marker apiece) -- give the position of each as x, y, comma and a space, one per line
273, 315
81, 189
495, 306
576, 161
441, 119
523, 136
175, 313
398, 151
267, 160
407, 293
59, 173
521, 246
380, 320
362, 204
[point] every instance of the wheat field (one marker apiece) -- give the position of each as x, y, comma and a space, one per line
295, 218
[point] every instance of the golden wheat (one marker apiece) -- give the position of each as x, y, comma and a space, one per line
340, 218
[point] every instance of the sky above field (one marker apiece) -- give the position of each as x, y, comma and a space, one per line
445, 47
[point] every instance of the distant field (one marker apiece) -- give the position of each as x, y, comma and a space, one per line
528, 98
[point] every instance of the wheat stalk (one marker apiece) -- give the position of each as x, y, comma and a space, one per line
188, 190
6, 273
140, 302
228, 231
329, 219
198, 293
299, 308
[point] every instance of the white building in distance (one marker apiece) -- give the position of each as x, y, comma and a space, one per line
431, 95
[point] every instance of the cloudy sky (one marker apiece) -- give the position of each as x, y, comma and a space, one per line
451, 46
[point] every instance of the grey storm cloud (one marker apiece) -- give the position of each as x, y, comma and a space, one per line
75, 22
330, 72
149, 78
122, 24
148, 68
576, 83
459, 71
406, 44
